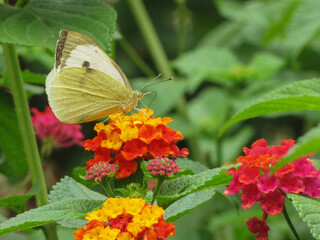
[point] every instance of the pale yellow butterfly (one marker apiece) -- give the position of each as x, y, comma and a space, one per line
85, 83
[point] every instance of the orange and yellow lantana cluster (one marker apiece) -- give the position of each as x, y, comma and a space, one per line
126, 219
127, 138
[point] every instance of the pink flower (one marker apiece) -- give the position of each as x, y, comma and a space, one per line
48, 127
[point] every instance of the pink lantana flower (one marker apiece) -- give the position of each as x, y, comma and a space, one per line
52, 132
258, 184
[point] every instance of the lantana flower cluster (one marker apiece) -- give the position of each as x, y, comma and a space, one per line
259, 184
163, 167
127, 138
50, 129
126, 219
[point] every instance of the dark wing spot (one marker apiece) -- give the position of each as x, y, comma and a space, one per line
86, 64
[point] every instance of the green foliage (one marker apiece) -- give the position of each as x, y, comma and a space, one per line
173, 190
14, 162
303, 95
17, 203
184, 205
309, 210
39, 22
57, 211
234, 61
308, 143
68, 188
304, 26
68, 200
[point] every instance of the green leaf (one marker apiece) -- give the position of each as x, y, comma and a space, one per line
216, 64
264, 65
173, 190
39, 22
203, 114
309, 210
308, 143
194, 166
17, 203
14, 165
186, 204
36, 78
68, 188
298, 96
58, 211
304, 26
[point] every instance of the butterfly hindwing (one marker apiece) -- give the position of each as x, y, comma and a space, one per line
81, 94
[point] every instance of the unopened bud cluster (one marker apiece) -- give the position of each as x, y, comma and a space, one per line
100, 170
163, 167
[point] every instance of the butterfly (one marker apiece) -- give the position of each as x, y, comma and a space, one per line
85, 83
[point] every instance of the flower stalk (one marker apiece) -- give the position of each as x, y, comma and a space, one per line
27, 133
294, 231
158, 187
150, 36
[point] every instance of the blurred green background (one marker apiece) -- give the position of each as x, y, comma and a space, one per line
224, 55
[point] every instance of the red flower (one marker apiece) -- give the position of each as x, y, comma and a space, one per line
258, 183
255, 225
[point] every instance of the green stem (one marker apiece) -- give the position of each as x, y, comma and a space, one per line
150, 36
136, 58
20, 3
182, 20
285, 213
26, 129
158, 187
106, 186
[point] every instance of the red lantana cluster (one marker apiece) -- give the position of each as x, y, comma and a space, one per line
127, 138
259, 184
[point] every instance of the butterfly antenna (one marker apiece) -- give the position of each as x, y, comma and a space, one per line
147, 84
150, 83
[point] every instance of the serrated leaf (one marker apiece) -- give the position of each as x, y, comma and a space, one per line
306, 144
298, 96
173, 190
73, 223
68, 188
17, 203
304, 26
14, 165
58, 211
39, 22
186, 204
194, 166
309, 210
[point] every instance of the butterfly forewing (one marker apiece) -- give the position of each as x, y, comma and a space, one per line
75, 49
81, 95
